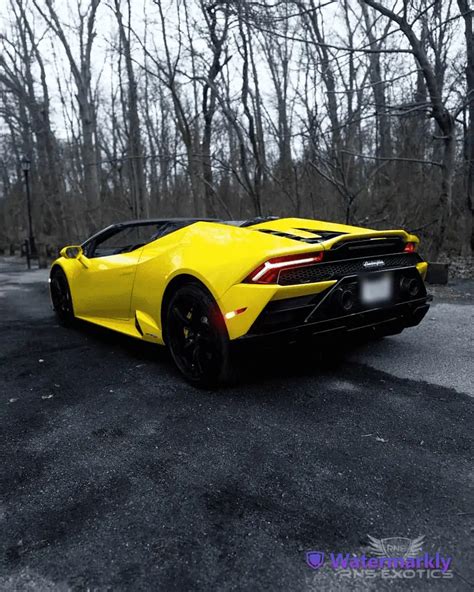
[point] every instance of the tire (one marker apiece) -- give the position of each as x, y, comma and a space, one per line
196, 337
61, 297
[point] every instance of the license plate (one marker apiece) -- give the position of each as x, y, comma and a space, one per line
376, 289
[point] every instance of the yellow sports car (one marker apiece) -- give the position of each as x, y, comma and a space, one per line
199, 285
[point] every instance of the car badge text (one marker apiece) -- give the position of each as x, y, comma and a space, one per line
376, 263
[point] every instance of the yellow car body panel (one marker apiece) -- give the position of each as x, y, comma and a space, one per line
422, 268
255, 298
125, 292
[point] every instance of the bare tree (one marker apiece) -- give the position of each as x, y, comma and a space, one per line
444, 118
81, 71
467, 14
278, 54
134, 154
384, 147
217, 37
16, 74
346, 111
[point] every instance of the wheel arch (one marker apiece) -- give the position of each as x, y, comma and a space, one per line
55, 268
183, 279
58, 265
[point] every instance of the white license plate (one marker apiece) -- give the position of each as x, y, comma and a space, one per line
376, 289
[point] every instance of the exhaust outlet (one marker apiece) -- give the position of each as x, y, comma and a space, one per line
345, 299
410, 286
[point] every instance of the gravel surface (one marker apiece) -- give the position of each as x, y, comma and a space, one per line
116, 475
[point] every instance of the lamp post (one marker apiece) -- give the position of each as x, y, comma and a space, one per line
26, 165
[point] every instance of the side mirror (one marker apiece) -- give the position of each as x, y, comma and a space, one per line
72, 252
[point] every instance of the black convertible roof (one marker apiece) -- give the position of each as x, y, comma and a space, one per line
249, 222
165, 220
170, 225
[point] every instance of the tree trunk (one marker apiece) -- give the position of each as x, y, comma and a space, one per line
134, 143
466, 11
384, 143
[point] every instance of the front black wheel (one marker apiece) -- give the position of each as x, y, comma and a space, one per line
197, 337
61, 297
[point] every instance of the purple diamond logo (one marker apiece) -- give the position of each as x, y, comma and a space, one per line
315, 559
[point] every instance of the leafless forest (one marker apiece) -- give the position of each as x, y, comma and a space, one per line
355, 111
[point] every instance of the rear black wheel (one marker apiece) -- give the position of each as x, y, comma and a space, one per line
61, 297
197, 337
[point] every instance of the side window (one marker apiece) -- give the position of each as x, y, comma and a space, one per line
123, 241
127, 239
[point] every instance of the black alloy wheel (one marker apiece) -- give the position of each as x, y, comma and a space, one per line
197, 337
61, 297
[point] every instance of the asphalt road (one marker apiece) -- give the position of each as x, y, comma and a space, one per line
116, 475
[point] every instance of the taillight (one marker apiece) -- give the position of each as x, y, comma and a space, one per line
267, 273
410, 248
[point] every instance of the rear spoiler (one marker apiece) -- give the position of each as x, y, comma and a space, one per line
372, 235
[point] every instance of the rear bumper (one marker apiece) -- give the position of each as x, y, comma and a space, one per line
382, 321
324, 313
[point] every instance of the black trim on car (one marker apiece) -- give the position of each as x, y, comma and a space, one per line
333, 270
325, 312
167, 225
321, 235
388, 320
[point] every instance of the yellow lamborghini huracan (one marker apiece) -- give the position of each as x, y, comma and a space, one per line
198, 285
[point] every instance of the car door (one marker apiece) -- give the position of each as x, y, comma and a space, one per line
104, 285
